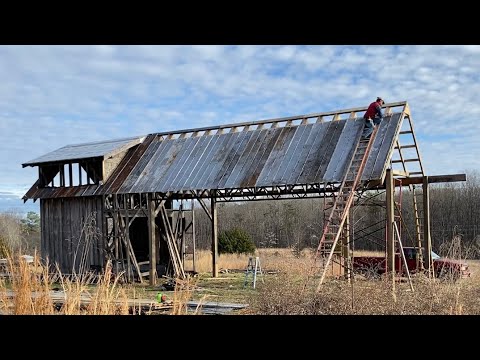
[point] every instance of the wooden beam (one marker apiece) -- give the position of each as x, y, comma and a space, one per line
427, 240
405, 160
193, 237
411, 146
151, 240
390, 230
214, 238
435, 179
202, 203
346, 255
70, 174
400, 173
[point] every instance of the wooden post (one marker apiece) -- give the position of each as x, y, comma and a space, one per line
70, 174
151, 240
193, 236
127, 243
214, 237
182, 229
346, 249
390, 230
426, 227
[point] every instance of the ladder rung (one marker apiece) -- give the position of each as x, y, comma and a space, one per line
406, 146
406, 132
406, 160
415, 173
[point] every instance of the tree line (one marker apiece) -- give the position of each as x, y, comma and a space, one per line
454, 210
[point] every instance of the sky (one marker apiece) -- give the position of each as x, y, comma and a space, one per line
52, 96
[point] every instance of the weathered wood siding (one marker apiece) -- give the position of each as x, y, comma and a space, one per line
72, 232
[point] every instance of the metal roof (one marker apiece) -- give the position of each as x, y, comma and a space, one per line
86, 150
293, 155
250, 155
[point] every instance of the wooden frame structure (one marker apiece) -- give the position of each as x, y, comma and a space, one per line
131, 197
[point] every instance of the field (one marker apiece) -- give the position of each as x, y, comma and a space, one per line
286, 287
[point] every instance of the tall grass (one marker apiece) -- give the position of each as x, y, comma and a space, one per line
285, 293
27, 290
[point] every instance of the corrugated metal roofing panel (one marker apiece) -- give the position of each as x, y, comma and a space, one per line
86, 150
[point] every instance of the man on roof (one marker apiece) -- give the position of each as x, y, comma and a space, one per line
373, 116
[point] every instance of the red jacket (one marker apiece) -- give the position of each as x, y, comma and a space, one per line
374, 109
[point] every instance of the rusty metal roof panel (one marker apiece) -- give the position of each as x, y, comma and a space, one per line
86, 150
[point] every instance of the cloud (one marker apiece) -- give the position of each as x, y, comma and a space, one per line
51, 96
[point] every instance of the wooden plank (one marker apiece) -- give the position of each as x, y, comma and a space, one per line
100, 241
51, 232
434, 179
406, 160
270, 168
42, 229
251, 147
252, 174
343, 151
386, 148
67, 232
390, 202
293, 149
400, 173
151, 241
70, 174
214, 213
320, 133
91, 244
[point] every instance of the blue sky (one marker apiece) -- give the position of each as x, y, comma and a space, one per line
51, 96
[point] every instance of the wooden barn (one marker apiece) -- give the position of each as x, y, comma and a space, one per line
131, 200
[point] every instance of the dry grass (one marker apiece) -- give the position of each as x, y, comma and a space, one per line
270, 258
285, 293
28, 291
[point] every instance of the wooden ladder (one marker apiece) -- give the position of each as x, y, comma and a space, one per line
336, 215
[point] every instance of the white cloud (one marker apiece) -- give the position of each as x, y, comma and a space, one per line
51, 96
